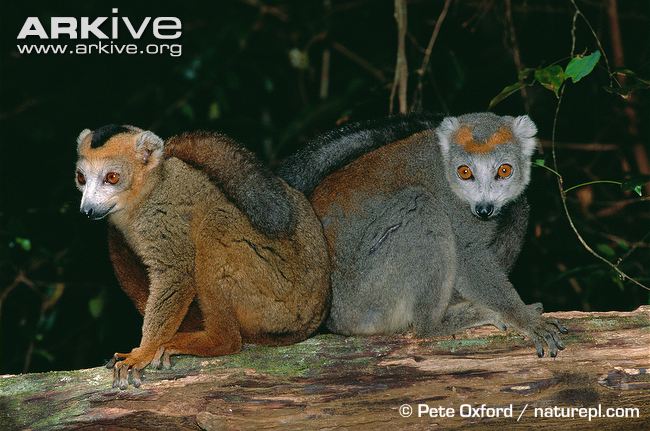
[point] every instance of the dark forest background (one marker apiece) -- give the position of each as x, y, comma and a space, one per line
254, 69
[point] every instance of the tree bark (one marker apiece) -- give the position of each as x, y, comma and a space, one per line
332, 381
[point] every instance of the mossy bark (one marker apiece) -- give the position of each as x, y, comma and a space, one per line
330, 381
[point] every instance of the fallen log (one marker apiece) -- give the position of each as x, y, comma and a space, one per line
366, 383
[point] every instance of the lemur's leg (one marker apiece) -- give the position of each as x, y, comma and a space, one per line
214, 287
488, 284
221, 335
129, 269
465, 315
401, 270
132, 276
171, 293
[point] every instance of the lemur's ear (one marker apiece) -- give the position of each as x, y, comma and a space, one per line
149, 147
448, 126
525, 131
81, 137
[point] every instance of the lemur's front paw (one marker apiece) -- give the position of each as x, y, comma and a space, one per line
127, 367
536, 308
544, 332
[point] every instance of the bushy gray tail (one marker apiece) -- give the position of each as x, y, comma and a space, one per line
254, 189
334, 149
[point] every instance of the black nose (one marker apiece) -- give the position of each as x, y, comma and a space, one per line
484, 210
88, 212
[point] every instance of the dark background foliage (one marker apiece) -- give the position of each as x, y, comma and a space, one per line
252, 68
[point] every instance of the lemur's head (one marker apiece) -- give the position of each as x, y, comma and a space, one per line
487, 158
112, 167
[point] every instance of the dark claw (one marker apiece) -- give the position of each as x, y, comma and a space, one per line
540, 349
111, 362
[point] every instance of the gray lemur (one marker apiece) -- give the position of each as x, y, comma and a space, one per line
423, 231
423, 228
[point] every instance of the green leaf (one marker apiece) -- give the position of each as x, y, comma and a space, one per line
606, 250
507, 91
214, 112
24, 243
636, 184
581, 66
96, 305
621, 243
539, 162
551, 77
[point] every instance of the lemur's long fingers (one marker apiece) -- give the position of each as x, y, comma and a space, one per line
111, 362
135, 378
556, 339
123, 376
116, 377
552, 348
560, 327
539, 345
155, 362
166, 360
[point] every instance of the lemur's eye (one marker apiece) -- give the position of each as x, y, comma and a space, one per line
81, 179
505, 170
464, 172
112, 178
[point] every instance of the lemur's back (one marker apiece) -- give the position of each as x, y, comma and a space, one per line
382, 216
410, 162
292, 268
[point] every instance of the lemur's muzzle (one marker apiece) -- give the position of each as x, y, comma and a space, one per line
484, 210
94, 213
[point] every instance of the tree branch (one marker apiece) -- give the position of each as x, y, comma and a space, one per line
400, 82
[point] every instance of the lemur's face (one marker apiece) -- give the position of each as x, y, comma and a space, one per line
487, 159
112, 167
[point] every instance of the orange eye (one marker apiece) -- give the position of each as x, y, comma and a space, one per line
464, 172
112, 178
81, 179
505, 170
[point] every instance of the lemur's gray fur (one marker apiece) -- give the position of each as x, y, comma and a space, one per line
335, 148
407, 246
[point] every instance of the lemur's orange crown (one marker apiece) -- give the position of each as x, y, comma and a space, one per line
465, 139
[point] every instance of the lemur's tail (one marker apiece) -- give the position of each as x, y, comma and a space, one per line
254, 189
334, 149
